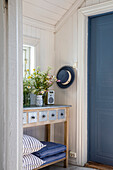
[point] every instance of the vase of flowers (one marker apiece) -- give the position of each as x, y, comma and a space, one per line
41, 81
27, 88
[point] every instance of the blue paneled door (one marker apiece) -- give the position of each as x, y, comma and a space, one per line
100, 89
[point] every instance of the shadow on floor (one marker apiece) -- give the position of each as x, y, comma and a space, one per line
71, 167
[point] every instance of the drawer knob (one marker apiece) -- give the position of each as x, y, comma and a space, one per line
62, 114
43, 116
32, 117
52, 115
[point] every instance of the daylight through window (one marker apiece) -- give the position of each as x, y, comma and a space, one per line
28, 59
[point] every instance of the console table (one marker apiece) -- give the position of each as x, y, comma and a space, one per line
47, 115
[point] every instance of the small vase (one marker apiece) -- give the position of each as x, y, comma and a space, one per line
39, 100
26, 99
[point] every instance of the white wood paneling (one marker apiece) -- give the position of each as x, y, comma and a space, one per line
70, 12
66, 55
31, 11
71, 1
103, 1
96, 1
2, 89
14, 87
47, 11
66, 45
92, 2
44, 58
51, 12
38, 24
61, 3
89, 2
44, 13
47, 6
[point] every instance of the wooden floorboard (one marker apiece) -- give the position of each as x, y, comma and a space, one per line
98, 166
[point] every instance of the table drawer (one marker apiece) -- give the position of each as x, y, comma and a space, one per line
24, 118
52, 115
42, 116
61, 114
32, 117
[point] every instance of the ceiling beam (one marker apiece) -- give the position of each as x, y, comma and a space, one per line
70, 12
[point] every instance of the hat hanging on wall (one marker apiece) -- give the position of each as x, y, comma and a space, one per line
66, 75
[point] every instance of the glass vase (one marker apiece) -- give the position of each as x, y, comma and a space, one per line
26, 99
45, 98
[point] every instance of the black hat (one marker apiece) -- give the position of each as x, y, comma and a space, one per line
66, 75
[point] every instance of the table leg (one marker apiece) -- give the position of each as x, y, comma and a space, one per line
48, 128
66, 137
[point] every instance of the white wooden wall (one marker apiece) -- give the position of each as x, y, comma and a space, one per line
92, 2
46, 44
66, 54
2, 88
44, 58
65, 44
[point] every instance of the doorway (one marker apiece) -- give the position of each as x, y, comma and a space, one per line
100, 89
82, 83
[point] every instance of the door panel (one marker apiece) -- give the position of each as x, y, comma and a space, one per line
100, 89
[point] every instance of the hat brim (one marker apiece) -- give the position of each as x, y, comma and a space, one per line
71, 71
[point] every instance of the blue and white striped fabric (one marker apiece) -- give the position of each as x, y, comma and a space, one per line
31, 162
31, 144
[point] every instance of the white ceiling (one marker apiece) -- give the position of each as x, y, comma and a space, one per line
47, 11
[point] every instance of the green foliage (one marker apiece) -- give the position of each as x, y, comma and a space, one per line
27, 88
38, 82
41, 81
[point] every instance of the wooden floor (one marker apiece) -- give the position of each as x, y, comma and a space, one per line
98, 166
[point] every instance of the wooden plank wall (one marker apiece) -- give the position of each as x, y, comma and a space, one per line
66, 54
45, 59
46, 44
50, 11
92, 2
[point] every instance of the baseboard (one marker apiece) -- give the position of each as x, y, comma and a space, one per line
72, 161
98, 166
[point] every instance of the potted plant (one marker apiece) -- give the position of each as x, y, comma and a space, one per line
41, 81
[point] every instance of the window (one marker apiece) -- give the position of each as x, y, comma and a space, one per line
28, 59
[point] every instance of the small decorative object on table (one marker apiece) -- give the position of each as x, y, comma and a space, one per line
51, 97
39, 100
41, 81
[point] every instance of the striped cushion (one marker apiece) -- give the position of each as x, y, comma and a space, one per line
31, 162
31, 144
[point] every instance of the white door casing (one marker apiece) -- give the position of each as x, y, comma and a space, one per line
11, 78
14, 86
82, 84
2, 86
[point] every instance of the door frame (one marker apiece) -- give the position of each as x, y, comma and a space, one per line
82, 84
11, 86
